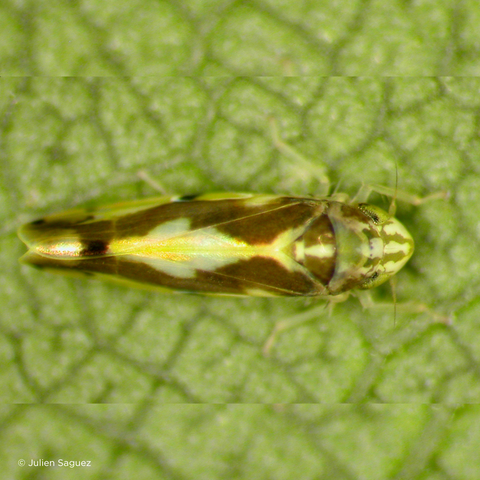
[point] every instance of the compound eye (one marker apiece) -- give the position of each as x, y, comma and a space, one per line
376, 214
375, 279
370, 279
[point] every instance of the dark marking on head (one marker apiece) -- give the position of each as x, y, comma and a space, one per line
351, 226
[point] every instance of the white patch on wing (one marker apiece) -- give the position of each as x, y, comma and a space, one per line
173, 249
66, 248
183, 265
168, 267
173, 228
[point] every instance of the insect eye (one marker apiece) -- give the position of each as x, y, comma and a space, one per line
377, 215
374, 280
371, 278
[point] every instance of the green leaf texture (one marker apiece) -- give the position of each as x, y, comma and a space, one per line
253, 37
149, 386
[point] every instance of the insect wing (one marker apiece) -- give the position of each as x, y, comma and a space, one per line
234, 244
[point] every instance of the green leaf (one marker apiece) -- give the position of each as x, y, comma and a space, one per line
217, 37
77, 141
240, 441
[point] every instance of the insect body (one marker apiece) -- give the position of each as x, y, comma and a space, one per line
226, 244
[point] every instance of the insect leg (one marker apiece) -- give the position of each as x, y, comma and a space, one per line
143, 175
299, 319
365, 191
301, 167
365, 299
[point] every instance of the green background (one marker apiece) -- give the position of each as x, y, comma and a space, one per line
77, 141
249, 37
124, 372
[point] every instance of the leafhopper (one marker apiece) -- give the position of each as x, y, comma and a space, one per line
226, 244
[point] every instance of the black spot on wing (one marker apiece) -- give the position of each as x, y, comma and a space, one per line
40, 221
94, 248
187, 198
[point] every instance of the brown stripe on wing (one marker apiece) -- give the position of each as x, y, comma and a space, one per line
257, 273
254, 224
53, 226
261, 226
264, 273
